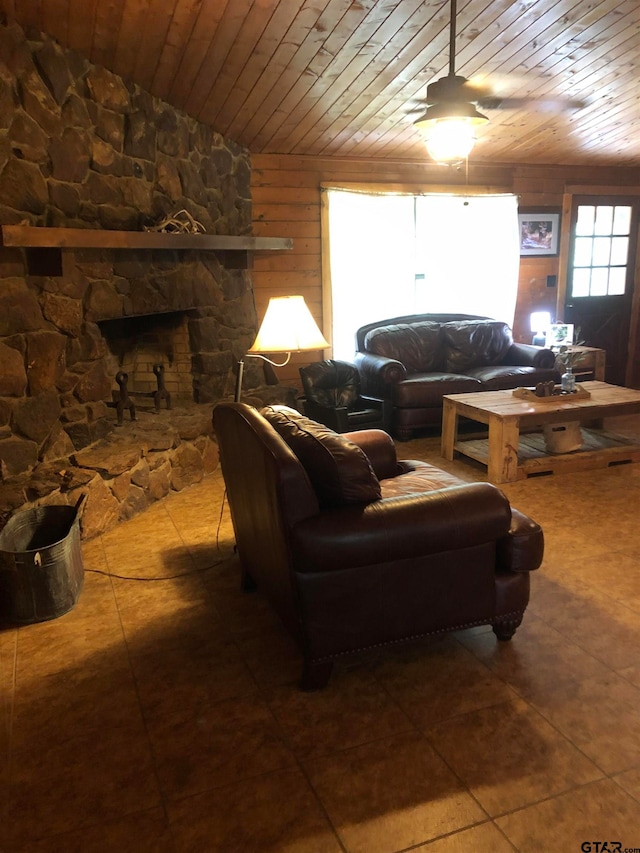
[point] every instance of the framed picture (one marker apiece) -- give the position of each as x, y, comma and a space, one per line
560, 334
539, 232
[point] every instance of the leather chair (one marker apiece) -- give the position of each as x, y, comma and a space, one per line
332, 397
356, 549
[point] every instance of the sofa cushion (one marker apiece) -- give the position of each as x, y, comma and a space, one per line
426, 390
417, 345
469, 343
338, 469
502, 377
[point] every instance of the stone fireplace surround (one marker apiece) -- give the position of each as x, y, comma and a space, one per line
81, 148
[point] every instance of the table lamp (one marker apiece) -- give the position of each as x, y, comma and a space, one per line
540, 322
287, 327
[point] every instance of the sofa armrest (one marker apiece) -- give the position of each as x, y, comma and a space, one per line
379, 449
528, 355
379, 374
522, 549
449, 519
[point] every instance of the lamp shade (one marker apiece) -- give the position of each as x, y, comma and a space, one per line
288, 327
540, 321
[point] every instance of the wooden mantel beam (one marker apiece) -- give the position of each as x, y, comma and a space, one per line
28, 236
44, 245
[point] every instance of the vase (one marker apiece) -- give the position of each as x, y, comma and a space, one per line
568, 380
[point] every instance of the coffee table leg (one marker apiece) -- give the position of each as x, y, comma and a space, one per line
504, 435
449, 429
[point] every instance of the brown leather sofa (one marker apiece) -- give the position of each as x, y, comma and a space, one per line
356, 549
413, 361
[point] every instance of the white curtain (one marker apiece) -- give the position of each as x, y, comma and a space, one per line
372, 252
468, 251
403, 254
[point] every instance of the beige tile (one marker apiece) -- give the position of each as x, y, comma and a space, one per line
96, 598
537, 661
605, 628
72, 702
354, 710
147, 546
391, 794
631, 674
272, 655
82, 781
485, 838
148, 631
220, 745
8, 645
207, 554
159, 596
432, 682
601, 716
614, 573
276, 813
69, 642
143, 832
171, 559
597, 812
195, 646
509, 756
630, 781
243, 613
180, 681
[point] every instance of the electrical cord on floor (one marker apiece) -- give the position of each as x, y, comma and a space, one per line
182, 574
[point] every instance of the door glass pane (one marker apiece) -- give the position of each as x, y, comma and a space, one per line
619, 251
604, 219
586, 216
617, 281
582, 252
601, 251
621, 220
599, 281
581, 281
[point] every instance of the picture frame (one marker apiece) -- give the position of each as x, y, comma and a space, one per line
539, 232
560, 334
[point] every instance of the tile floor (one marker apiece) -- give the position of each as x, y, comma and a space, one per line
163, 714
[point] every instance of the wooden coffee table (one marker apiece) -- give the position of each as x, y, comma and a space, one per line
511, 456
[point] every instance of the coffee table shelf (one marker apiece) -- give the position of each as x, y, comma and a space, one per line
600, 449
510, 455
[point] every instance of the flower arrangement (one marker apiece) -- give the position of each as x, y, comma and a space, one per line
567, 356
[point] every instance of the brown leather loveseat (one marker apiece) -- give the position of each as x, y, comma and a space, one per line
413, 361
355, 549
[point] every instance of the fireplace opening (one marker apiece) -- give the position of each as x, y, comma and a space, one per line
141, 346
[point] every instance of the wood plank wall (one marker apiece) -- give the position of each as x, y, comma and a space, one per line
286, 203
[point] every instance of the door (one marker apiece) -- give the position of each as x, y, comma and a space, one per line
600, 276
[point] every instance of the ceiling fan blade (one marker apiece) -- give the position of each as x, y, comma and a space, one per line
542, 104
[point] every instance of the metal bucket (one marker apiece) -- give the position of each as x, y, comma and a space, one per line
41, 569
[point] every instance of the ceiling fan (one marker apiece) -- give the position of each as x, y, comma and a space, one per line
452, 115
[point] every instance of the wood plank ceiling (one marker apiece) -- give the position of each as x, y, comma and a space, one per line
347, 77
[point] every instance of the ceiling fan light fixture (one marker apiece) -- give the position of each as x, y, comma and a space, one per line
449, 140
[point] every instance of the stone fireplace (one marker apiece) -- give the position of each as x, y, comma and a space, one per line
82, 149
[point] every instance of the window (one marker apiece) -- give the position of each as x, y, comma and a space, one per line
395, 254
600, 250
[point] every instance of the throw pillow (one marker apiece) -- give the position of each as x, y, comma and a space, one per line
339, 470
